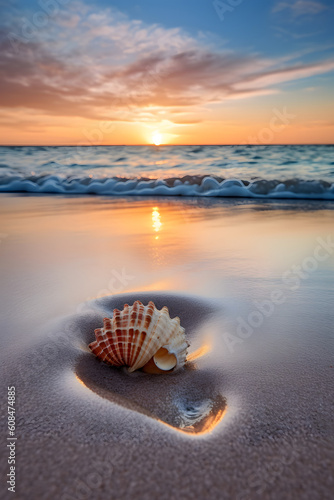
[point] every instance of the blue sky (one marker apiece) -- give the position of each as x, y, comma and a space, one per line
252, 24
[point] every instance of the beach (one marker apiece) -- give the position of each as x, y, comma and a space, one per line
250, 416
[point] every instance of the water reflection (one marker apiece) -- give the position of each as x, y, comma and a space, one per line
156, 220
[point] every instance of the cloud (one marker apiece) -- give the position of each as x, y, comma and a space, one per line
287, 34
301, 7
291, 73
101, 65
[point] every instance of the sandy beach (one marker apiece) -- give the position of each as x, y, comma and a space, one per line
252, 282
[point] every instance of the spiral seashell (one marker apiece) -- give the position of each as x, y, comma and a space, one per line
141, 337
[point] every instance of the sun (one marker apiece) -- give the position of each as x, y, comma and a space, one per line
156, 138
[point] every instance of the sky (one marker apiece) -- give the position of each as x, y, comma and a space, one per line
176, 72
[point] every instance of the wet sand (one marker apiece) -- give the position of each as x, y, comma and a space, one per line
250, 418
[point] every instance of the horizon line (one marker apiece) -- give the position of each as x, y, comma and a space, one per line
161, 145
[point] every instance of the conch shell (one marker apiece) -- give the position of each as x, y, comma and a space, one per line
141, 337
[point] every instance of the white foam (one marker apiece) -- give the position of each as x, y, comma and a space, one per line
193, 186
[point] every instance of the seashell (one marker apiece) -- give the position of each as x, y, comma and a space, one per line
141, 337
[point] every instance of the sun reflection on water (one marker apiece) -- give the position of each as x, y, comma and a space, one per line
156, 220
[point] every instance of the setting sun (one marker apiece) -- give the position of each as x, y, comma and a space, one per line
156, 138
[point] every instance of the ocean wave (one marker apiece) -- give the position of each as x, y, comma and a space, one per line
206, 186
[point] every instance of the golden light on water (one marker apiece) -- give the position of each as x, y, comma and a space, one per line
156, 220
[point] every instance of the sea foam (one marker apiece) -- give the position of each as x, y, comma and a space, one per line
204, 186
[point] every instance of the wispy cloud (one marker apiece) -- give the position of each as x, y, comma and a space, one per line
288, 34
102, 65
300, 7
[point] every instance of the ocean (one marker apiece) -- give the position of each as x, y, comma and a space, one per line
266, 171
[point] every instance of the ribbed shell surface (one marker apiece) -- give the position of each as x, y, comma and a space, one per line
135, 334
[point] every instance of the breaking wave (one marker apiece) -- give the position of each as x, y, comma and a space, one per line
196, 185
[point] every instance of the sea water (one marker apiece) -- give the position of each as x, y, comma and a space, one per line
280, 171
